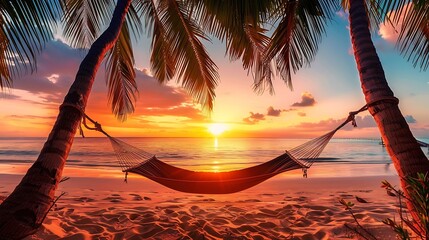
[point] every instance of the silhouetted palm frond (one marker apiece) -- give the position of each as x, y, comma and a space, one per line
194, 68
24, 28
120, 76
299, 30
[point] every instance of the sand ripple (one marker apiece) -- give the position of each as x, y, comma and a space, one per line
151, 215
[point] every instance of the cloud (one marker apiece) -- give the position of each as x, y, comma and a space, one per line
330, 124
32, 119
147, 72
53, 78
302, 114
307, 100
254, 118
389, 31
342, 14
5, 95
410, 119
273, 112
365, 122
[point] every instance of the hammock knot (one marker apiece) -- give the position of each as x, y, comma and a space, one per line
351, 118
97, 127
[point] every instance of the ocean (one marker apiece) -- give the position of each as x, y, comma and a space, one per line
341, 157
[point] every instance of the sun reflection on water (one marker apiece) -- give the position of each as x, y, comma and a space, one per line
216, 167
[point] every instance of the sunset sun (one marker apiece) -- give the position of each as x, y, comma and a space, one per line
217, 128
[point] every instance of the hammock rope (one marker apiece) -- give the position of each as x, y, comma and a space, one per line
136, 160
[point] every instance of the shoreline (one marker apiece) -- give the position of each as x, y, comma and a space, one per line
280, 208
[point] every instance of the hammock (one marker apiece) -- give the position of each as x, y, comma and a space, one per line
135, 160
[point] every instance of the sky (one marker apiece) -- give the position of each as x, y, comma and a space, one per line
322, 95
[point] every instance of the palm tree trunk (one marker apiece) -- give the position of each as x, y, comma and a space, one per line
24, 210
406, 154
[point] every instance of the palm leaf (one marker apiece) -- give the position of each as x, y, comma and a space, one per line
195, 69
24, 28
414, 36
295, 40
224, 18
84, 20
133, 19
238, 23
162, 64
253, 59
120, 76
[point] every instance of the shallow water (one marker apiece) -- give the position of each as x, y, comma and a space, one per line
341, 157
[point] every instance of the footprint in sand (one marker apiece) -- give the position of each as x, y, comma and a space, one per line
133, 216
93, 228
84, 199
303, 222
267, 225
136, 197
220, 221
249, 201
114, 198
235, 209
208, 200
171, 213
197, 210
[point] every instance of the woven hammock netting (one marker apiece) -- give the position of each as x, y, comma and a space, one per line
135, 160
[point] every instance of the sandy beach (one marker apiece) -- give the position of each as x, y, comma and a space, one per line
280, 208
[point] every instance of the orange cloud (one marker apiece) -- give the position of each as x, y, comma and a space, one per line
254, 118
307, 100
273, 112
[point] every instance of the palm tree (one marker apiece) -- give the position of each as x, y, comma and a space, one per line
177, 51
295, 40
406, 154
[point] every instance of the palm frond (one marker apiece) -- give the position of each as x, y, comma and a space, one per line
133, 19
223, 17
282, 44
84, 19
253, 60
388, 6
120, 76
413, 19
413, 40
24, 28
195, 69
161, 59
238, 23
295, 41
